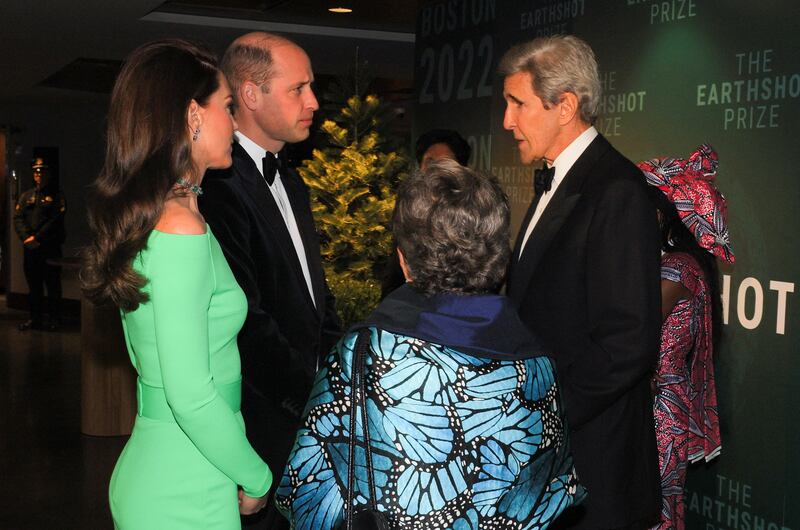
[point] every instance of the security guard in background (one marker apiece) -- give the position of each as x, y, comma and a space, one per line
39, 222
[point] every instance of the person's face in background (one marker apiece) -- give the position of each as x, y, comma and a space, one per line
39, 176
436, 152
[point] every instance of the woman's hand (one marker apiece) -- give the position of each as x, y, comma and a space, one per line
250, 505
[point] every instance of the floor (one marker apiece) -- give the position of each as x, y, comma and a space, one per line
51, 476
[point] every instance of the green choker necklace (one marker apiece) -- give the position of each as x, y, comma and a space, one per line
194, 188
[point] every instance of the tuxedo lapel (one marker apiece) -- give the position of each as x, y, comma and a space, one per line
553, 217
258, 191
524, 226
308, 233
550, 223
514, 261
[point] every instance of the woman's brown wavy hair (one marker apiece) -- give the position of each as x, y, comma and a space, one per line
148, 149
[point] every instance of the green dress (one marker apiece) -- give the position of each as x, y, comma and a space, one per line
188, 449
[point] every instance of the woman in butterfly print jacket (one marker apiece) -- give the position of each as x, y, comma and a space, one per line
465, 422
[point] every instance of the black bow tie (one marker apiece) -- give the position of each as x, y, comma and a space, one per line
270, 164
543, 179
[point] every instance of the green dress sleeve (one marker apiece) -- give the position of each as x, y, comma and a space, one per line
182, 281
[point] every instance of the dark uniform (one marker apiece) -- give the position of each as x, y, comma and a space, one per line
39, 222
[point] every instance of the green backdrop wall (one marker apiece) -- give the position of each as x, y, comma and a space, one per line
676, 73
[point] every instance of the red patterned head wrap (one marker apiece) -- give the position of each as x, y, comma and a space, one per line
689, 185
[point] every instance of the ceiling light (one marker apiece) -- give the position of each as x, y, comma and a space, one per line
340, 10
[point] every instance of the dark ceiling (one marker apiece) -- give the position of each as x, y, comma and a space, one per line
367, 14
57, 49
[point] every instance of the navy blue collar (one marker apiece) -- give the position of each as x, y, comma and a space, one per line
482, 325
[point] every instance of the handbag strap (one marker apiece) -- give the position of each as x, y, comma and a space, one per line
351, 446
363, 345
358, 400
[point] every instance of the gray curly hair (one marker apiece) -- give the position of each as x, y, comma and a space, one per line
452, 225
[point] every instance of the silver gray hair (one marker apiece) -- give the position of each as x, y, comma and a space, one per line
558, 64
452, 224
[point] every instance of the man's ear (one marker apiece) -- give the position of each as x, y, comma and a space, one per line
248, 94
568, 107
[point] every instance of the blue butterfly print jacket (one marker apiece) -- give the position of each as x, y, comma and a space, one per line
458, 441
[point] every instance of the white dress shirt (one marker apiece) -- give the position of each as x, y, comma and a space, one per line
563, 163
257, 153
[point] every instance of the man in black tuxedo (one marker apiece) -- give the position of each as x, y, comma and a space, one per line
259, 211
585, 278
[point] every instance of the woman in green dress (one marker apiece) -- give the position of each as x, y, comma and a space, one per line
155, 258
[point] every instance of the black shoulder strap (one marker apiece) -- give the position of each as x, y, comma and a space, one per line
358, 400
362, 348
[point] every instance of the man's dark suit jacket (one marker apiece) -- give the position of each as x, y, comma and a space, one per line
588, 284
284, 334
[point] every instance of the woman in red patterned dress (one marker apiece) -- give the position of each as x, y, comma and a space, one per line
694, 232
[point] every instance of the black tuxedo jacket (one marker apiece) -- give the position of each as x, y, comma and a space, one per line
284, 334
588, 284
